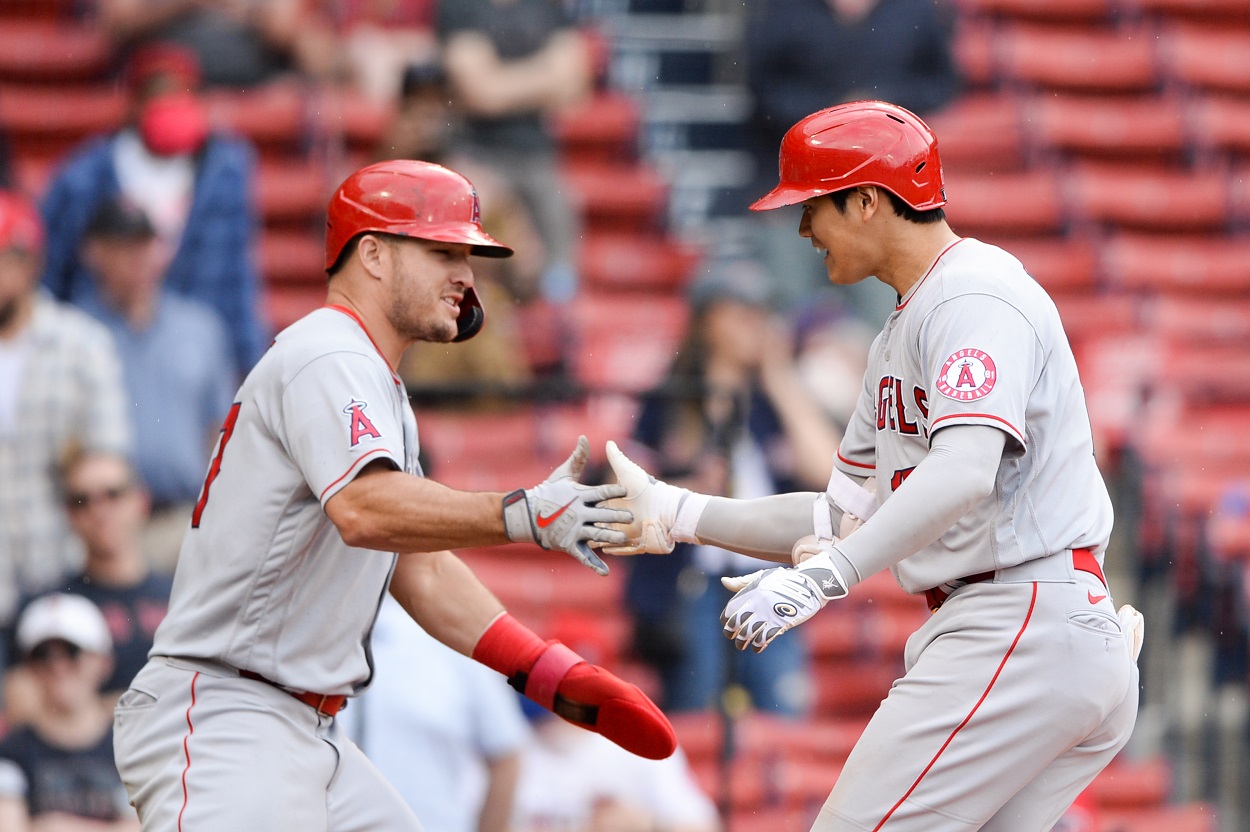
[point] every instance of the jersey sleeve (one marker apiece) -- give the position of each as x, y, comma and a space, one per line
980, 358
339, 414
857, 454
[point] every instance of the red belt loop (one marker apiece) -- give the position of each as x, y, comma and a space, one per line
323, 703
1083, 560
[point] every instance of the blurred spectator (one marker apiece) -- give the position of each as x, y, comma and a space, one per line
107, 509
58, 773
61, 392
496, 357
831, 357
176, 361
450, 747
732, 419
512, 63
805, 55
194, 185
238, 43
6, 162
378, 38
573, 780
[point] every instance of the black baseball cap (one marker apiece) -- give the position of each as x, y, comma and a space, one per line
120, 218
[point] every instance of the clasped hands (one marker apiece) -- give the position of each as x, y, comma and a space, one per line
767, 602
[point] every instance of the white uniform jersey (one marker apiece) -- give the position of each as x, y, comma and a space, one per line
978, 342
264, 581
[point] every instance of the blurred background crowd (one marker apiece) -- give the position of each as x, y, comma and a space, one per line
164, 169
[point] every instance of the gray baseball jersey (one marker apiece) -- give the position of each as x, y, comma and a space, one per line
264, 582
978, 341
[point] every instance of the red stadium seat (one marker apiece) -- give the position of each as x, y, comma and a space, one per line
603, 128
291, 191
1212, 11
293, 257
1085, 315
1108, 127
1077, 59
617, 261
46, 120
1083, 11
980, 133
1178, 264
616, 197
1219, 123
1136, 197
1060, 264
52, 10
42, 50
973, 49
271, 116
1189, 817
626, 342
1028, 202
1132, 783
286, 303
1207, 57
358, 120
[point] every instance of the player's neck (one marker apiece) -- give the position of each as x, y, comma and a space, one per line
913, 255
389, 343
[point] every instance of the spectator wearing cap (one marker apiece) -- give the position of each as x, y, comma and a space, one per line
194, 184
732, 417
57, 772
176, 362
61, 392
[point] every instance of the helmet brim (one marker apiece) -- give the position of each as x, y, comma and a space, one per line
483, 244
783, 195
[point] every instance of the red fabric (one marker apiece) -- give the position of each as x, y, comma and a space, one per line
508, 646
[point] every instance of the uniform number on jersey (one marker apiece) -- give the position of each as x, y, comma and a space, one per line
897, 479
214, 468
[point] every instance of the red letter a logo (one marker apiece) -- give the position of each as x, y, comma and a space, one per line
361, 426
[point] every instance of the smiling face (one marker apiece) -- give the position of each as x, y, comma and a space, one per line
842, 236
427, 282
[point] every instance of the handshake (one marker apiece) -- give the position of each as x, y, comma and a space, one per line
640, 514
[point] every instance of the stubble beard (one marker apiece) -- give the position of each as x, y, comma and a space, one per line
408, 322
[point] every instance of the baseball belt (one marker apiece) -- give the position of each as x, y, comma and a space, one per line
1083, 560
323, 703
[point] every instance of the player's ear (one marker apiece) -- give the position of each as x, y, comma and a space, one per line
373, 254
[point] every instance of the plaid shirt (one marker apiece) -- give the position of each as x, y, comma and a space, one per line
71, 398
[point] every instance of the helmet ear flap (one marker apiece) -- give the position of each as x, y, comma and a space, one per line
472, 316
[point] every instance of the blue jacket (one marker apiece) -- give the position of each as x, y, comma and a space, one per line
215, 262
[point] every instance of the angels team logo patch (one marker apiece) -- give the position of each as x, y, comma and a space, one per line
360, 424
967, 375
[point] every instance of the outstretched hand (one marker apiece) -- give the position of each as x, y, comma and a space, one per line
653, 506
563, 513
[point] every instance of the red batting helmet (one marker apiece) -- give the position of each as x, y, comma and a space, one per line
413, 199
860, 143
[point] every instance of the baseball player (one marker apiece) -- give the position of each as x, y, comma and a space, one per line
313, 487
972, 437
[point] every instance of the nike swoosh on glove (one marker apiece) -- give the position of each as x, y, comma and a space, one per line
653, 504
769, 602
562, 513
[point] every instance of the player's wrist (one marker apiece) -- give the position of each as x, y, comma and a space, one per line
518, 521
823, 573
508, 646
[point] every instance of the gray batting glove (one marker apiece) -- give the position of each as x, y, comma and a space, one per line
561, 513
771, 601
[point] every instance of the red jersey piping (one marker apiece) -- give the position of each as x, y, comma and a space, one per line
912, 292
1014, 430
351, 313
186, 751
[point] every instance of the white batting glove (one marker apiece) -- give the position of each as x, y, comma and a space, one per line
653, 504
1133, 623
562, 513
771, 601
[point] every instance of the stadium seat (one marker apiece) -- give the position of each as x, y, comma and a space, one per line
1209, 11
1061, 264
49, 10
1219, 124
1086, 316
1028, 202
1071, 11
47, 51
272, 116
1177, 264
1190, 817
290, 192
286, 303
1129, 783
625, 342
618, 197
851, 687
632, 262
1137, 197
980, 133
973, 48
1207, 57
350, 117
46, 120
1079, 59
292, 257
1107, 127
603, 128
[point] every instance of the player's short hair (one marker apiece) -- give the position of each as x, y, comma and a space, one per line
349, 248
840, 199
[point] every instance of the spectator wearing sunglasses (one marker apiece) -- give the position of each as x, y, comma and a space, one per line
57, 772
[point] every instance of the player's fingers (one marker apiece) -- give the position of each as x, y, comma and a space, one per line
573, 466
588, 558
601, 534
623, 551
603, 493
607, 517
627, 471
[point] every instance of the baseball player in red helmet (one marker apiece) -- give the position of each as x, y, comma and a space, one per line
968, 471
313, 487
